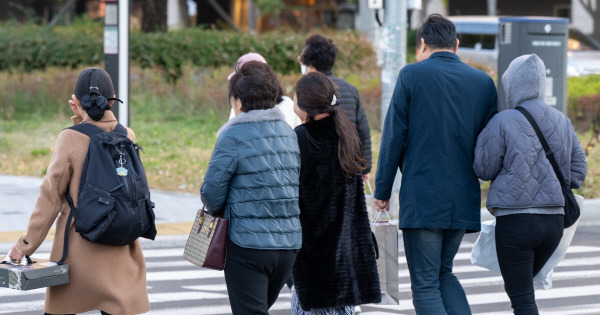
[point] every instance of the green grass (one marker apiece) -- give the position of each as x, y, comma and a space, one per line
176, 124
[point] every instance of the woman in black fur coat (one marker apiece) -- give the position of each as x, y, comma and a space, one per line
335, 269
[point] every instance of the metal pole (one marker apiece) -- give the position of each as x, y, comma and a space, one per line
394, 58
124, 62
394, 50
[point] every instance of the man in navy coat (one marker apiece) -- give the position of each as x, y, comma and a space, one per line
439, 107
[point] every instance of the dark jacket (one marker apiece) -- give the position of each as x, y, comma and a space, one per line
350, 102
253, 176
336, 265
509, 152
439, 107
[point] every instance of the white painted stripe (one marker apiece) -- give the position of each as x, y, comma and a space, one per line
13, 307
170, 264
184, 275
184, 296
177, 253
10, 292
206, 287
567, 310
214, 310
467, 255
497, 280
498, 297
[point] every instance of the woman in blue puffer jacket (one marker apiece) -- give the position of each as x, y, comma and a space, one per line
525, 194
253, 179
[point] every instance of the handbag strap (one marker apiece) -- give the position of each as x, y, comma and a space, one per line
542, 139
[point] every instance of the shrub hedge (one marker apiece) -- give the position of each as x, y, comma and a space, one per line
29, 47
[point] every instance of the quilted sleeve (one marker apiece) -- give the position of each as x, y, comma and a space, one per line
221, 168
490, 151
578, 161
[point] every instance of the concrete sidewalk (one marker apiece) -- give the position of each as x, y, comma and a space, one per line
174, 211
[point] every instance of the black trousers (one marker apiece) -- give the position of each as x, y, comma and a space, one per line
255, 277
524, 243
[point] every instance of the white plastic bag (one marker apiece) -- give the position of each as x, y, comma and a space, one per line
484, 255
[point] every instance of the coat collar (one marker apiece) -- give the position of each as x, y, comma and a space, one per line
445, 54
253, 116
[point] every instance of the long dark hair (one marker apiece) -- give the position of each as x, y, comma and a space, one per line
314, 93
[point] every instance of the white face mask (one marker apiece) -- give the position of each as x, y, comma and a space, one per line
303, 69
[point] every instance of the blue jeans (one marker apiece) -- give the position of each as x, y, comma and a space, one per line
429, 255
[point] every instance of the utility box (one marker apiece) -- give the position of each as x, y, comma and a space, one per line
543, 36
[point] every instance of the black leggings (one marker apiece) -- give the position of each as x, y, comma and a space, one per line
255, 277
524, 243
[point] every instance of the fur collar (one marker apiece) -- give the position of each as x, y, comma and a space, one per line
253, 116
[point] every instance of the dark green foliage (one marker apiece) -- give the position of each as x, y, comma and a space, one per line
30, 47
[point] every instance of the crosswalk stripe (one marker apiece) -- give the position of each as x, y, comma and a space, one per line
183, 275
567, 310
165, 266
496, 297
178, 261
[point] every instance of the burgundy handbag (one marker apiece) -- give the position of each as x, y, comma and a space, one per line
207, 244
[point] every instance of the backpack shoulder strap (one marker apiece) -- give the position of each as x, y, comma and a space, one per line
120, 129
87, 129
545, 145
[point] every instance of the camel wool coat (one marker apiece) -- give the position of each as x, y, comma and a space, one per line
101, 277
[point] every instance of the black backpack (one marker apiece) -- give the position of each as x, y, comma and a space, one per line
114, 206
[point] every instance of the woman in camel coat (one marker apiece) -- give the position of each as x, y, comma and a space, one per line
107, 278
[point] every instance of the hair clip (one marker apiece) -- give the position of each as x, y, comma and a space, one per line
334, 101
100, 101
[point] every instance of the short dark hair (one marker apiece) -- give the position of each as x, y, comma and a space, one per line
256, 85
438, 32
319, 52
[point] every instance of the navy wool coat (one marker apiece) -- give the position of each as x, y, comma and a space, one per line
439, 107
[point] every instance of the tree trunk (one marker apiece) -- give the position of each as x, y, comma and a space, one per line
155, 16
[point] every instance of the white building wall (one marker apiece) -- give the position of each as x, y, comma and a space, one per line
174, 14
580, 18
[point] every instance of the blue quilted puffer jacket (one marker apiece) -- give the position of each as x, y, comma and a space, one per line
253, 176
509, 153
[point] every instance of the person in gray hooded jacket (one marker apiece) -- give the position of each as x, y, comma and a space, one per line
525, 194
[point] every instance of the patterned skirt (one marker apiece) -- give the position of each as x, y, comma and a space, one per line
341, 310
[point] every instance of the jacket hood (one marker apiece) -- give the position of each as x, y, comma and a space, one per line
253, 116
525, 79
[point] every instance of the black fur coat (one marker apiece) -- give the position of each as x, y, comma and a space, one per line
336, 265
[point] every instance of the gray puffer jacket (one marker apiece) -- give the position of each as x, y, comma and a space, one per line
509, 153
253, 176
